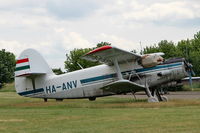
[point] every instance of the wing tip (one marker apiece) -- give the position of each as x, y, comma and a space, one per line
100, 49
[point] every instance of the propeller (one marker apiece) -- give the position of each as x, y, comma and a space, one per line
190, 72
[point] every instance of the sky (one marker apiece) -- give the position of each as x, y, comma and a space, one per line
54, 27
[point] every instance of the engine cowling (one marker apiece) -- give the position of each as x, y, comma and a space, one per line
151, 60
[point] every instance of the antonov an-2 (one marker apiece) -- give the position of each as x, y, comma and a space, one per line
121, 72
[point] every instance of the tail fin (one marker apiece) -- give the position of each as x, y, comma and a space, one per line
30, 68
30, 62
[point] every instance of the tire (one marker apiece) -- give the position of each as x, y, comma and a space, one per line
92, 98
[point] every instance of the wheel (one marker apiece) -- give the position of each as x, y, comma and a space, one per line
152, 100
92, 98
59, 100
164, 98
157, 94
45, 99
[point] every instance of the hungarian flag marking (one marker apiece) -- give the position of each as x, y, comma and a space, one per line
22, 64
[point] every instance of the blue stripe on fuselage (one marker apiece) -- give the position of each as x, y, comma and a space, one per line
157, 67
94, 79
83, 81
31, 92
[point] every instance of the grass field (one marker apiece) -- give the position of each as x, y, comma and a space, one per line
8, 88
108, 114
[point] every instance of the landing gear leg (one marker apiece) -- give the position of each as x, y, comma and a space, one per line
160, 97
133, 93
45, 99
151, 98
164, 98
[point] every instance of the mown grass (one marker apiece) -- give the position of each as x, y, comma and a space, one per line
9, 87
194, 87
108, 114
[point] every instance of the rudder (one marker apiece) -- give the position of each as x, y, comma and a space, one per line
31, 62
31, 68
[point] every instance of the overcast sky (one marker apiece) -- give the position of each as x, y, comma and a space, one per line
54, 27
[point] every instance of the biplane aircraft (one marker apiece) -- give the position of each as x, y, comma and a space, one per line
122, 72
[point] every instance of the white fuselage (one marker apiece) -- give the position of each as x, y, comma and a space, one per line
88, 82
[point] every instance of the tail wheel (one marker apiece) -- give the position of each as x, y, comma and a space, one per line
92, 98
45, 99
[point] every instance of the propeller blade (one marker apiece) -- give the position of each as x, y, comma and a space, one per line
190, 79
193, 73
190, 72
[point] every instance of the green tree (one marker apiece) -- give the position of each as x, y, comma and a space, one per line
102, 44
195, 61
164, 46
57, 71
7, 66
194, 53
151, 49
74, 61
188, 49
168, 48
196, 40
184, 48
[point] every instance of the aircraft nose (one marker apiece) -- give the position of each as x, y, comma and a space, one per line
188, 68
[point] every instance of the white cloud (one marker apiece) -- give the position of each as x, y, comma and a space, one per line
136, 11
119, 42
75, 40
17, 47
47, 49
12, 46
159, 11
56, 27
70, 9
21, 3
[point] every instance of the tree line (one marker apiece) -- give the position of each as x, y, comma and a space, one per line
188, 49
7, 67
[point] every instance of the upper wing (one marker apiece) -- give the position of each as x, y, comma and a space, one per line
107, 54
112, 55
123, 86
158, 53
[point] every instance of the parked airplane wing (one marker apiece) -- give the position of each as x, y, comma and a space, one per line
122, 86
107, 54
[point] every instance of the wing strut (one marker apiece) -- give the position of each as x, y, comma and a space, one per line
118, 71
121, 85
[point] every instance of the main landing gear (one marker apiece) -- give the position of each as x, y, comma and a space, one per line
161, 98
154, 95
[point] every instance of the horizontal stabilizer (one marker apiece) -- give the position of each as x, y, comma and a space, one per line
23, 68
122, 86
